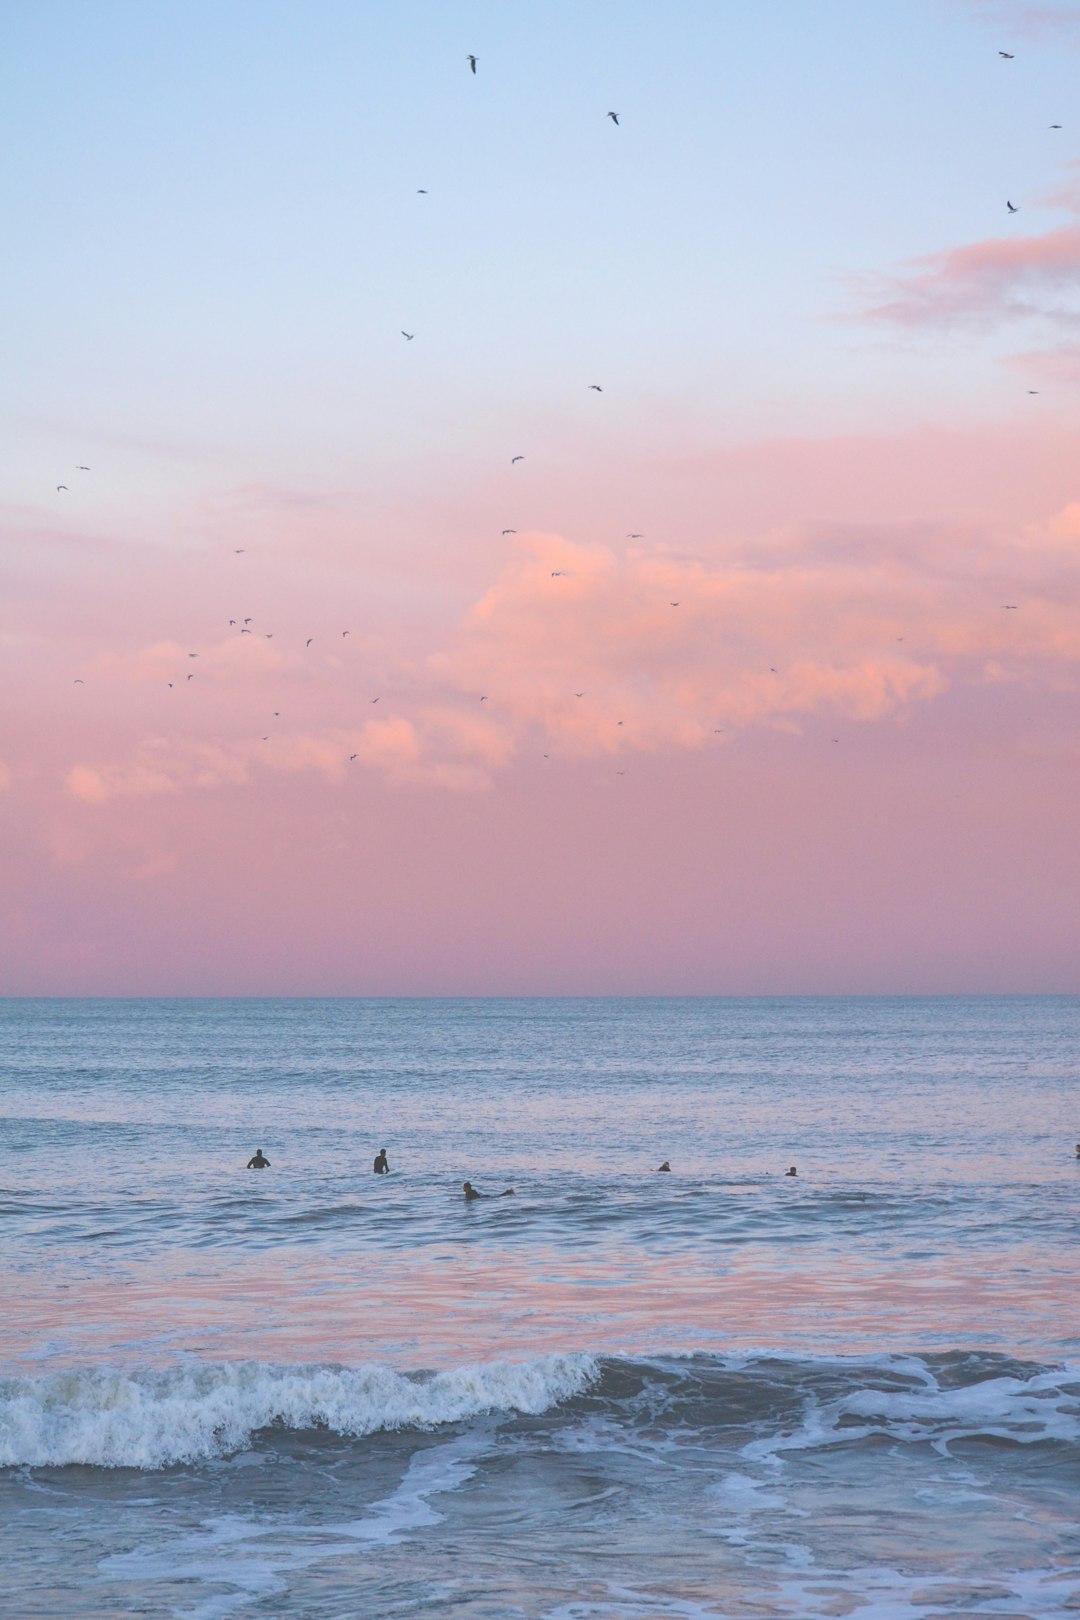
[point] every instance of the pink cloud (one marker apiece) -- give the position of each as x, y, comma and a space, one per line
984, 283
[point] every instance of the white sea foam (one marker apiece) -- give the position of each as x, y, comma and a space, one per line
114, 1419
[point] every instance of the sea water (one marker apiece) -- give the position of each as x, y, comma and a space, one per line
719, 1391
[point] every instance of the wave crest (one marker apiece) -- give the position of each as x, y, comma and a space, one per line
112, 1419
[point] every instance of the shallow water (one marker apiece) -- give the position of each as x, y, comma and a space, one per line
724, 1391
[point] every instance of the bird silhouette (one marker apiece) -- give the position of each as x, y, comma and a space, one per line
596, 388
238, 551
352, 756
557, 573
61, 486
614, 117
472, 62
1013, 209
1006, 56
635, 537
79, 682
1055, 126
81, 468
408, 336
509, 531
516, 458
420, 192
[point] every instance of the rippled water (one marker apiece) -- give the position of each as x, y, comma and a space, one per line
723, 1391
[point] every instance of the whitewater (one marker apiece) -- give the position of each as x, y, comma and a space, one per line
719, 1391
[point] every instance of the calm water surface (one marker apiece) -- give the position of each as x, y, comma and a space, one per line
719, 1392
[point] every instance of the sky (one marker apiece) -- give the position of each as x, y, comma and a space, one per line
503, 550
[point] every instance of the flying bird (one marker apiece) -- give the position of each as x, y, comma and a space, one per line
635, 537
78, 682
344, 632
579, 694
191, 677
1033, 390
472, 62
614, 117
420, 192
247, 632
374, 700
557, 573
309, 640
249, 621
773, 671
193, 655
352, 756
1010, 607
61, 486
509, 531
596, 388
408, 336
673, 604
1006, 56
238, 551
1055, 126
81, 468
516, 458
483, 700
1012, 207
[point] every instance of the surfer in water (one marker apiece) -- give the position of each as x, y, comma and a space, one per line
791, 1172
470, 1193
381, 1167
259, 1162
664, 1166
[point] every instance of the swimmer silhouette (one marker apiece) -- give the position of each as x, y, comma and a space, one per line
470, 1193
258, 1162
381, 1167
664, 1166
791, 1172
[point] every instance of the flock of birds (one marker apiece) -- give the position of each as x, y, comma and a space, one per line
245, 629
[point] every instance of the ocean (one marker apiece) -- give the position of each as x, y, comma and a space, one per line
723, 1391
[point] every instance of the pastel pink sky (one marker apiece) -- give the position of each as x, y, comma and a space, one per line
774, 686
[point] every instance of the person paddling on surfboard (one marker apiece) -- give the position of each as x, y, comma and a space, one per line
470, 1193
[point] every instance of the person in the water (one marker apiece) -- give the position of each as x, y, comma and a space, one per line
381, 1167
259, 1162
470, 1193
791, 1172
664, 1166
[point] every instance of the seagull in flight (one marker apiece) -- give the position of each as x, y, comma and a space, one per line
353, 756
61, 486
557, 573
78, 682
247, 632
1010, 607
579, 694
408, 336
1012, 207
81, 468
516, 458
472, 62
673, 604
249, 621
509, 531
635, 537
344, 632
1006, 56
1055, 126
309, 640
483, 700
374, 700
614, 117
420, 192
238, 551
596, 388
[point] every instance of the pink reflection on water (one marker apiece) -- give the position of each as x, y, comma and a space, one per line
456, 1306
